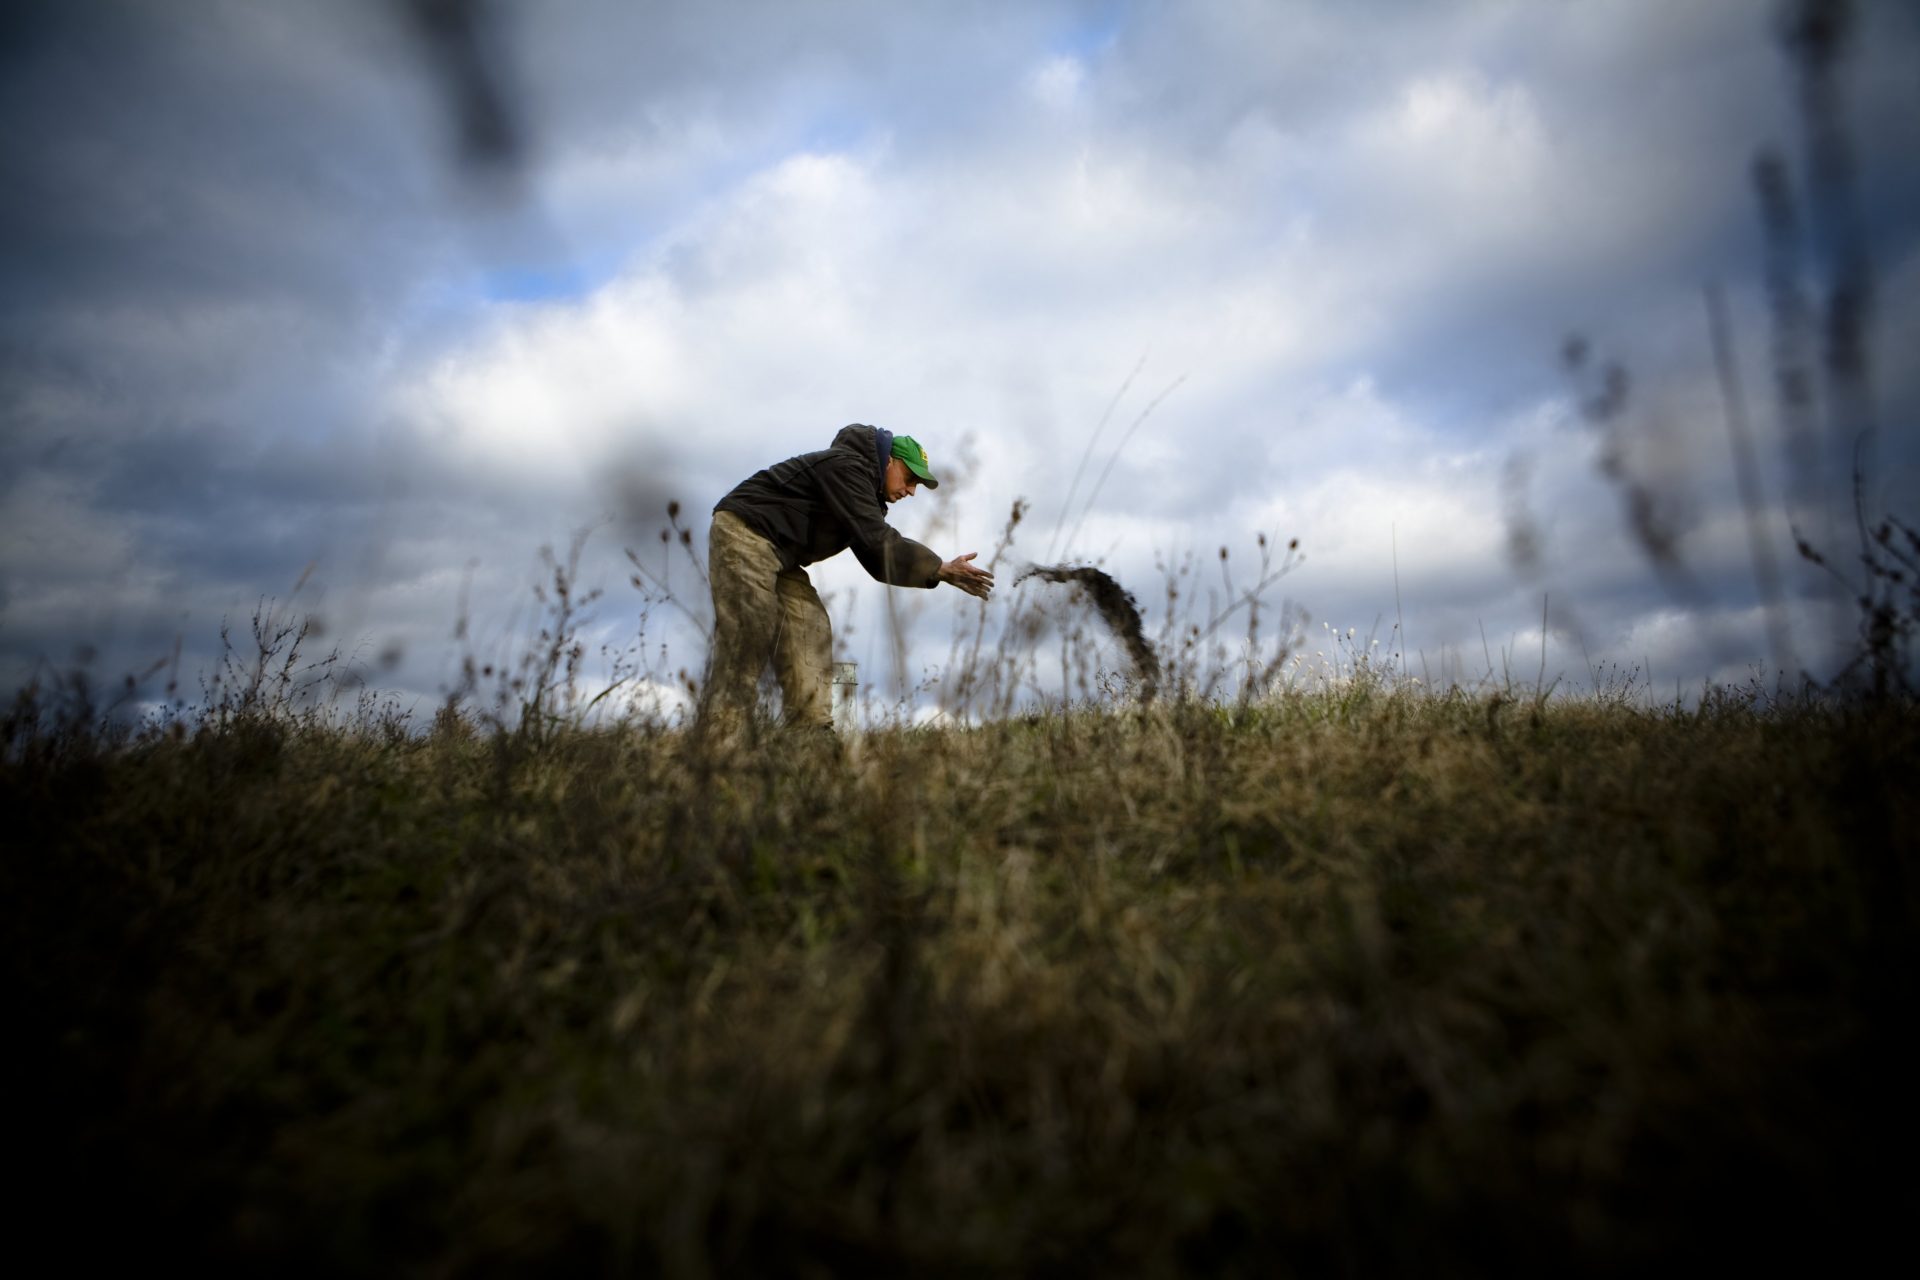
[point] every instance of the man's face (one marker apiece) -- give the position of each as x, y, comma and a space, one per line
900, 482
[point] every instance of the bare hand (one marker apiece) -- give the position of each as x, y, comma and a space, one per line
961, 572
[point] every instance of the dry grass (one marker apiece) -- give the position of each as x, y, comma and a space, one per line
1346, 981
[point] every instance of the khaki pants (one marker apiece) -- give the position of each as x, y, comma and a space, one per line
762, 612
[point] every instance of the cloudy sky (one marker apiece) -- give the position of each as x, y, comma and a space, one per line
358, 306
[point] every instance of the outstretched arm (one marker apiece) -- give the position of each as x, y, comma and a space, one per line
962, 573
883, 551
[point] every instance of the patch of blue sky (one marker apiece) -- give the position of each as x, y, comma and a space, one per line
546, 281
812, 127
834, 129
806, 128
1098, 27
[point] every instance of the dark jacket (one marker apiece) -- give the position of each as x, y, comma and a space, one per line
819, 504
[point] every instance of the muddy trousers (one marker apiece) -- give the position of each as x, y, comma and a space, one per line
762, 612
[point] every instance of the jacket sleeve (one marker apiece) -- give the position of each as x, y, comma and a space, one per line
847, 488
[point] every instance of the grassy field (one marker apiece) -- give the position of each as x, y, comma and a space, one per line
1347, 982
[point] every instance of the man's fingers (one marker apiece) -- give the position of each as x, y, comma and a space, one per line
969, 577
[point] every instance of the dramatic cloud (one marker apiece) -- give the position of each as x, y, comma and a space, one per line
380, 299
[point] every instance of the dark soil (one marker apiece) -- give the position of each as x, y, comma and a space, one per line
1117, 608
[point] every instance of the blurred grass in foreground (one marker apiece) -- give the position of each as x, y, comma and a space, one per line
1340, 983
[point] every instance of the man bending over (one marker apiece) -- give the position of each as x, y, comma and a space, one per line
793, 514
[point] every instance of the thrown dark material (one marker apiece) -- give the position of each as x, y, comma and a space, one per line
1117, 607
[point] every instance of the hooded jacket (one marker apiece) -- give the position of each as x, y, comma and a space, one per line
818, 504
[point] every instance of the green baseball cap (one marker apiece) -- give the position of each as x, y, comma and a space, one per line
908, 450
